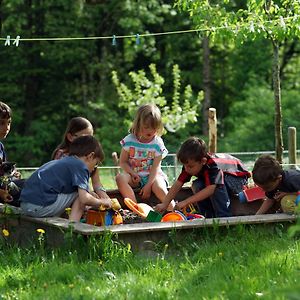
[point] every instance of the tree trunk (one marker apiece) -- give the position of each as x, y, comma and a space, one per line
0, 17
206, 84
277, 99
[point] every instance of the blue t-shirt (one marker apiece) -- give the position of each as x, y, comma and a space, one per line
2, 152
63, 176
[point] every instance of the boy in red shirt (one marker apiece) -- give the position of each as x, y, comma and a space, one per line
218, 177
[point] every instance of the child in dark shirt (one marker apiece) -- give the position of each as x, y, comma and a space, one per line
268, 174
62, 183
218, 176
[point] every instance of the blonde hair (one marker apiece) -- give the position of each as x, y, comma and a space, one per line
147, 115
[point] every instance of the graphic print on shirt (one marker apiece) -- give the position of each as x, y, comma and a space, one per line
141, 160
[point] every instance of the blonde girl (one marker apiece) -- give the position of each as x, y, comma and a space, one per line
77, 127
141, 156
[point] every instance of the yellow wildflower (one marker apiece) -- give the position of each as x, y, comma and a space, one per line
68, 210
5, 232
40, 230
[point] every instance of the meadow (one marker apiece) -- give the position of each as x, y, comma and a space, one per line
242, 262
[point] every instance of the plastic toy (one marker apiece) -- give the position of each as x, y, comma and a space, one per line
251, 194
142, 209
174, 216
288, 203
105, 217
194, 216
154, 216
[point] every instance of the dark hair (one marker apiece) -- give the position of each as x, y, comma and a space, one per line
192, 149
75, 125
5, 111
266, 169
84, 145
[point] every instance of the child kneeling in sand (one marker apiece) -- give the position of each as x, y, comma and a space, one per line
64, 183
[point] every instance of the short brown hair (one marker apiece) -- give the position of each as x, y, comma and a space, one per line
5, 111
192, 149
84, 145
266, 169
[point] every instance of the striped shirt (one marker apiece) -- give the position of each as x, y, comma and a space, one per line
216, 166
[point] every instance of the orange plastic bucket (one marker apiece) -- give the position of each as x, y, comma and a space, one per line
96, 218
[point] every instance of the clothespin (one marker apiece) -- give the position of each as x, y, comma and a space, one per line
17, 41
7, 41
137, 41
114, 41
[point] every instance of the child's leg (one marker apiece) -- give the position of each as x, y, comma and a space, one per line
205, 206
77, 210
160, 190
55, 209
124, 184
221, 202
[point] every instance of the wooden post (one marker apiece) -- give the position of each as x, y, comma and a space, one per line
292, 141
115, 159
212, 130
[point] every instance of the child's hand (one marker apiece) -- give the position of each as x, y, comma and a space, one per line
17, 174
107, 203
180, 205
279, 195
145, 192
135, 178
161, 207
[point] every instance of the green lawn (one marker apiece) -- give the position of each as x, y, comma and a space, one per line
253, 262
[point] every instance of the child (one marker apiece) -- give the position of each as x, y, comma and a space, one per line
277, 183
61, 183
5, 123
77, 127
219, 175
141, 155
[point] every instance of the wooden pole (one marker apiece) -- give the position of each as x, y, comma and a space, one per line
212, 130
116, 161
292, 141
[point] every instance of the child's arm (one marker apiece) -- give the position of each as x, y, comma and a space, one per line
86, 198
175, 188
124, 157
146, 190
97, 186
200, 196
267, 204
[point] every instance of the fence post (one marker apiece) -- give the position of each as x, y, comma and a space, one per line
115, 159
212, 130
292, 143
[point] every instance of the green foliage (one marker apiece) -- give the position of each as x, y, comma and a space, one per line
46, 83
251, 119
176, 112
238, 263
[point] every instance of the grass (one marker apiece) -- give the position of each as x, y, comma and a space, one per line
242, 262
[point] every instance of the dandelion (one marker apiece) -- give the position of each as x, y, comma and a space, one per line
40, 230
5, 232
68, 210
221, 254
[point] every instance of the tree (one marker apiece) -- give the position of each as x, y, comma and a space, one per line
276, 21
176, 112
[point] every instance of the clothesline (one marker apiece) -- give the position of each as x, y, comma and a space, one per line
137, 36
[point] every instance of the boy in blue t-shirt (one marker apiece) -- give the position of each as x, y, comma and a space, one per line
62, 183
218, 177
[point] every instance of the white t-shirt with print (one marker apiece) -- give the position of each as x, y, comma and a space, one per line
141, 155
